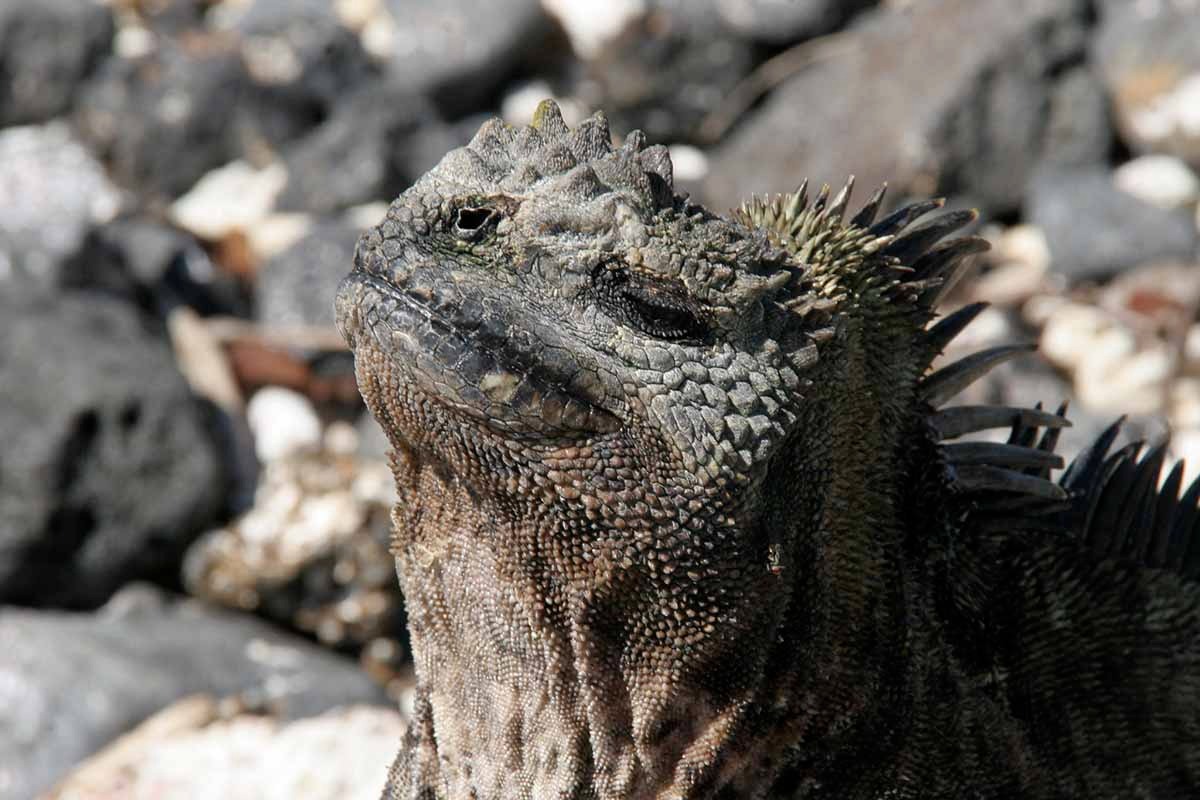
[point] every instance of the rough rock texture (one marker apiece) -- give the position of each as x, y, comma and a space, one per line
666, 71
1122, 231
941, 97
682, 512
376, 143
187, 752
151, 119
164, 118
70, 682
53, 192
301, 61
110, 467
458, 51
47, 49
1151, 66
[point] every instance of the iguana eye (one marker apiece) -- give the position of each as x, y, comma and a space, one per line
662, 316
472, 221
654, 313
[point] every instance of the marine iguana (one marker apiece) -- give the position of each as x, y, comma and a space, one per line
682, 513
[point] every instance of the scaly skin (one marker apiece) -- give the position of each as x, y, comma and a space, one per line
671, 519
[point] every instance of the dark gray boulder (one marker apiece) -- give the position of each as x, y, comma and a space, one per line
110, 466
943, 97
375, 144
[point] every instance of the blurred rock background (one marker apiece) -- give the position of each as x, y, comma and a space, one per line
194, 577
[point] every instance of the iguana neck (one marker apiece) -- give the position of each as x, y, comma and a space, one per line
842, 661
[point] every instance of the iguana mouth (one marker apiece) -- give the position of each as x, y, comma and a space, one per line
441, 338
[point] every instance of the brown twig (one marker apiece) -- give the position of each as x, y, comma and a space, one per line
767, 76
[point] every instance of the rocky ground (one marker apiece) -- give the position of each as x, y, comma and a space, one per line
194, 577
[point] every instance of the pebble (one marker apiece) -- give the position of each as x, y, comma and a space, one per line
1021, 259
1173, 114
1112, 370
357, 14
688, 163
276, 232
1184, 403
1114, 378
312, 551
591, 24
1191, 346
232, 198
284, 423
1185, 446
1163, 181
1068, 330
365, 216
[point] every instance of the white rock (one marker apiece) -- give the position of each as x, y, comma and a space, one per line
275, 233
202, 359
1070, 330
283, 423
1185, 445
367, 215
378, 35
688, 163
357, 14
134, 41
590, 24
271, 60
1021, 257
341, 438
1164, 181
1191, 346
1184, 410
1023, 243
231, 198
1174, 114
1041, 308
1111, 372
1115, 377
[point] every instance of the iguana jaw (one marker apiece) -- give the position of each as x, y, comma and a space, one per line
445, 346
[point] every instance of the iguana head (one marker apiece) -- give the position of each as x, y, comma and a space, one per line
542, 289
637, 446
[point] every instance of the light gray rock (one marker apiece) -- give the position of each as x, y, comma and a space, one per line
1095, 230
69, 683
